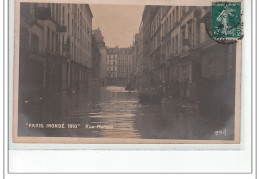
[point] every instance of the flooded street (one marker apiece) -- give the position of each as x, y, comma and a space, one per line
112, 112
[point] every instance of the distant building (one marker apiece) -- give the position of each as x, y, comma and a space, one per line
119, 63
124, 63
112, 56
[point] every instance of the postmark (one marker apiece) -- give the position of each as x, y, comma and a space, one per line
226, 20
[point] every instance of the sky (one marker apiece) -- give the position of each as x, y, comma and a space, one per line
118, 23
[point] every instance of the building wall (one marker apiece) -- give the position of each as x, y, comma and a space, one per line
103, 75
119, 63
59, 47
112, 58
125, 58
178, 53
96, 63
103, 56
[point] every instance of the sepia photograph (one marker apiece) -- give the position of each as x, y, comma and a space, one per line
126, 73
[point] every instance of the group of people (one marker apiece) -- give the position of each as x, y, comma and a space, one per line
172, 89
215, 97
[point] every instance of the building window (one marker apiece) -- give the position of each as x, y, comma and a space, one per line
162, 29
167, 25
57, 13
170, 22
190, 36
182, 12
198, 32
72, 27
57, 42
177, 14
176, 45
167, 50
78, 34
75, 52
63, 15
68, 22
72, 52
173, 47
52, 10
62, 42
173, 18
183, 37
52, 41
48, 38
34, 43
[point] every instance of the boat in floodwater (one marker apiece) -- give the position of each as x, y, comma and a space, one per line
129, 87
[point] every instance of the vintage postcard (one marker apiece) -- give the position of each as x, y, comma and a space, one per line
87, 72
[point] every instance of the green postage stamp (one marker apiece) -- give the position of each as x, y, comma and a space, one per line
226, 20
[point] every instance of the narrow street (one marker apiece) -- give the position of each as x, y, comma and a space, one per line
112, 112
85, 70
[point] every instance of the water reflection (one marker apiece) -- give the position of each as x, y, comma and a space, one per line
112, 112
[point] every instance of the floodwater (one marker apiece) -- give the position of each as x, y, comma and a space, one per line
112, 112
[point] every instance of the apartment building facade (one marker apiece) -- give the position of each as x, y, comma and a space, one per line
119, 65
112, 56
124, 64
179, 55
55, 49
96, 63
139, 61
100, 43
